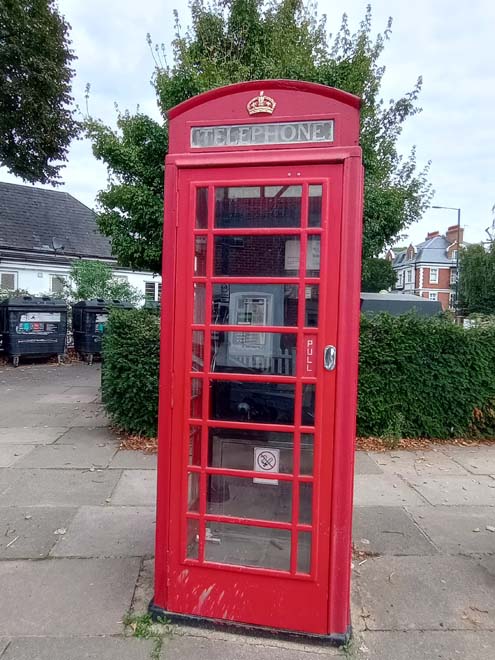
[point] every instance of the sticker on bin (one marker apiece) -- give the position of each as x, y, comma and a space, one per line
266, 460
40, 317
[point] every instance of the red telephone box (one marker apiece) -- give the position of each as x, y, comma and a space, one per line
260, 323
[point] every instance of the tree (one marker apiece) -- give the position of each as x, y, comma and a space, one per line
477, 279
378, 274
235, 40
95, 279
36, 119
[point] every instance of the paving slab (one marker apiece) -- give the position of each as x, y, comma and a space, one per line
210, 645
133, 460
477, 460
79, 648
65, 597
59, 487
389, 530
109, 532
418, 463
10, 454
365, 464
458, 530
384, 490
29, 532
425, 593
8, 477
90, 414
98, 434
145, 587
447, 645
20, 435
135, 488
82, 454
456, 491
76, 394
3, 645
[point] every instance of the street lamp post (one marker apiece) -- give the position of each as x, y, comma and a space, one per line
455, 208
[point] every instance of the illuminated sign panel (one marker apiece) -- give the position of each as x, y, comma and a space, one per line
261, 134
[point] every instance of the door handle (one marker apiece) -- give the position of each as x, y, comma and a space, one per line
329, 357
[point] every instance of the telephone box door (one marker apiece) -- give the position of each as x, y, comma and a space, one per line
253, 400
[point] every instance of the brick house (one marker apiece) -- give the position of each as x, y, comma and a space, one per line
429, 269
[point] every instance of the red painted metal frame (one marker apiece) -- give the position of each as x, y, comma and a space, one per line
281, 600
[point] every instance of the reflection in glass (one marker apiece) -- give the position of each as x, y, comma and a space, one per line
258, 206
305, 502
256, 256
315, 193
307, 453
311, 309
304, 552
234, 448
201, 208
308, 405
200, 256
238, 497
255, 304
240, 545
194, 457
196, 398
193, 491
199, 303
254, 352
271, 403
313, 257
198, 350
192, 542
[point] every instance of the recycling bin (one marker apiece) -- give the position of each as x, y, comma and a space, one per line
89, 318
33, 326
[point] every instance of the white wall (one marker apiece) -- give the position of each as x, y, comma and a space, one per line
36, 278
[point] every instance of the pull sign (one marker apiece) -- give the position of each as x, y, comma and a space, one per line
329, 357
310, 355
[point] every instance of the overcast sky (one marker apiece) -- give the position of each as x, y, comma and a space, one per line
449, 42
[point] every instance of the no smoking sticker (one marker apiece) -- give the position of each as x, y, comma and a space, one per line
266, 460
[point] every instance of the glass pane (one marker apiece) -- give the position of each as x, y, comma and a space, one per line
248, 546
258, 206
256, 256
308, 405
194, 457
199, 312
193, 491
315, 193
238, 497
304, 552
196, 398
200, 256
311, 309
305, 503
307, 453
198, 350
255, 304
235, 449
201, 208
271, 403
192, 544
254, 352
313, 257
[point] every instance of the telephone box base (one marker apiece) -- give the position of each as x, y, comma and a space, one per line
333, 639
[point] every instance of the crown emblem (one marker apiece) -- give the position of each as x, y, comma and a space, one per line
261, 103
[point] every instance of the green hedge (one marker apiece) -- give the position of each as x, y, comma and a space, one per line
418, 377
131, 345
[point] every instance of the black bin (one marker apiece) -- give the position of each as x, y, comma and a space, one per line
89, 318
33, 326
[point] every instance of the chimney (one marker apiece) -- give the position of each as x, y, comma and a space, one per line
432, 234
451, 234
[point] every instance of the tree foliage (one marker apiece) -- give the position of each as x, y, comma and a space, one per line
235, 40
378, 274
95, 279
36, 119
477, 279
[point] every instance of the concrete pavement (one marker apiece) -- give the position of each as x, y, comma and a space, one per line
77, 533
